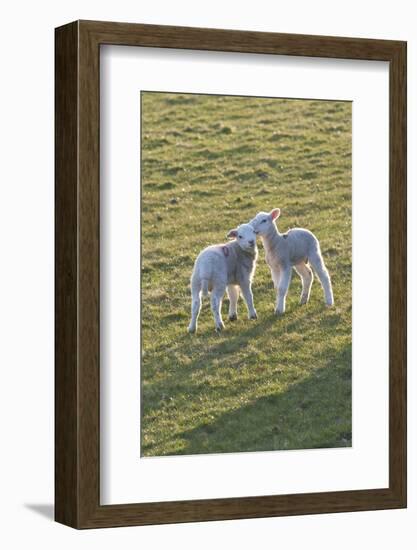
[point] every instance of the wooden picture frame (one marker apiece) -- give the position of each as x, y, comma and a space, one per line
77, 374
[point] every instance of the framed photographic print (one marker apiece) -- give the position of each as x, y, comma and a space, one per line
230, 274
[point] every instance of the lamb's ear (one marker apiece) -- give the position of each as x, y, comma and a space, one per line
275, 213
232, 234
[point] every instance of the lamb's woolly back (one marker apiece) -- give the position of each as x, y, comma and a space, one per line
292, 249
293, 246
228, 262
225, 265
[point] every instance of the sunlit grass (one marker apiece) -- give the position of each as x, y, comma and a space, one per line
210, 163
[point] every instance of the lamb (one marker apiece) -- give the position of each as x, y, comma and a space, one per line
228, 266
296, 248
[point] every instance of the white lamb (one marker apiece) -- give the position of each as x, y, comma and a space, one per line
283, 251
225, 266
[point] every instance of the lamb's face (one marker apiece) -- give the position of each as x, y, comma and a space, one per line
263, 221
245, 237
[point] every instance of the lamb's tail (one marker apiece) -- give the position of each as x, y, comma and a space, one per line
204, 287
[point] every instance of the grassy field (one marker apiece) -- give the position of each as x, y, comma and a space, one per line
210, 163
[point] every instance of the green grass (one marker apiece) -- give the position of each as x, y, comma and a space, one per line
210, 163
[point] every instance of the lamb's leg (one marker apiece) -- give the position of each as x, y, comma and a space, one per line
195, 305
275, 274
282, 290
233, 293
248, 296
216, 304
306, 275
317, 262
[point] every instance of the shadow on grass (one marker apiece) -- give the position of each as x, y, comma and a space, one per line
203, 347
313, 413
201, 350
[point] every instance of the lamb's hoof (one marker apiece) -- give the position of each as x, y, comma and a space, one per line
279, 313
253, 316
233, 317
330, 305
219, 328
192, 330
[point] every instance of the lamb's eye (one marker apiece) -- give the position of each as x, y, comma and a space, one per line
240, 236
263, 221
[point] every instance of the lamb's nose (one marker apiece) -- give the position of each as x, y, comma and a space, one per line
251, 243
